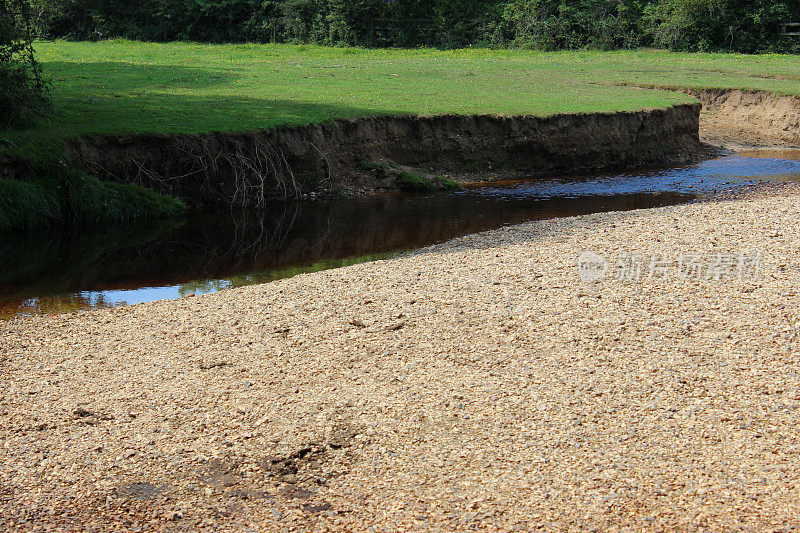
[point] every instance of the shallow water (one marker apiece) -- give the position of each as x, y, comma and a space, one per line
60, 271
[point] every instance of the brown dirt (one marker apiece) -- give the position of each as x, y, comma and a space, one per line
744, 119
244, 168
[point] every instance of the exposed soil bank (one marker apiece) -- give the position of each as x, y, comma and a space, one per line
735, 118
246, 168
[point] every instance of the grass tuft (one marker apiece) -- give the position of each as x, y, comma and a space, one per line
448, 185
411, 182
91, 201
407, 180
377, 166
41, 194
25, 205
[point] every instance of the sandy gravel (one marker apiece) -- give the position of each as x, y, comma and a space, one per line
475, 385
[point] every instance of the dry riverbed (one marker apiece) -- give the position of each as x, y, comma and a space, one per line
474, 385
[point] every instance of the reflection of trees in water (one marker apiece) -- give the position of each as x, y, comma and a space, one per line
272, 230
203, 286
57, 258
52, 305
265, 276
280, 240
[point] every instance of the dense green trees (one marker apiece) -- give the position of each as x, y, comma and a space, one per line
731, 25
23, 92
701, 25
687, 25
556, 24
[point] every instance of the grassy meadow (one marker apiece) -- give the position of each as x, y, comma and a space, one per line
118, 87
124, 87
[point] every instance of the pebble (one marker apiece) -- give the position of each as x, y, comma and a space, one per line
630, 410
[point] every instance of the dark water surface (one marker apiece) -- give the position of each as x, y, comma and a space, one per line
62, 270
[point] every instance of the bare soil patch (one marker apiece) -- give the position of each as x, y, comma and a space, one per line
741, 119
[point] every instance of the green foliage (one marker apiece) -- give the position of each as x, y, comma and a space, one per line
377, 166
445, 23
46, 193
449, 185
414, 183
26, 204
410, 181
690, 25
90, 201
23, 91
730, 25
745, 26
558, 25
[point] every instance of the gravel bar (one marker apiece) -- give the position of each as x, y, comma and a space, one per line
478, 384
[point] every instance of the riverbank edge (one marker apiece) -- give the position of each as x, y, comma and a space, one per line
356, 157
744, 119
353, 157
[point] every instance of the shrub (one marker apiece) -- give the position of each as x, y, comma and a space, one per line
38, 193
23, 91
734, 25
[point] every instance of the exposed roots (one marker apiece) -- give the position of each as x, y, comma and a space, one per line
244, 171
249, 169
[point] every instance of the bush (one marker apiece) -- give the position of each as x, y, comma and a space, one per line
23, 91
558, 25
37, 193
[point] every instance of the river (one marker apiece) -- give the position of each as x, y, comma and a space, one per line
62, 270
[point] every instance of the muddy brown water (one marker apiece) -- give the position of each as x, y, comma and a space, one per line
64, 270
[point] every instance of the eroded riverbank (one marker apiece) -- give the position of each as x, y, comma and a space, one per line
340, 156
476, 384
741, 119
360, 156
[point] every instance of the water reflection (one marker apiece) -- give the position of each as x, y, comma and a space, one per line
58, 271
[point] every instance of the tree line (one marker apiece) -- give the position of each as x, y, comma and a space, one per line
687, 25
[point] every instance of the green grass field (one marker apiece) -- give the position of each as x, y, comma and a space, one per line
130, 87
